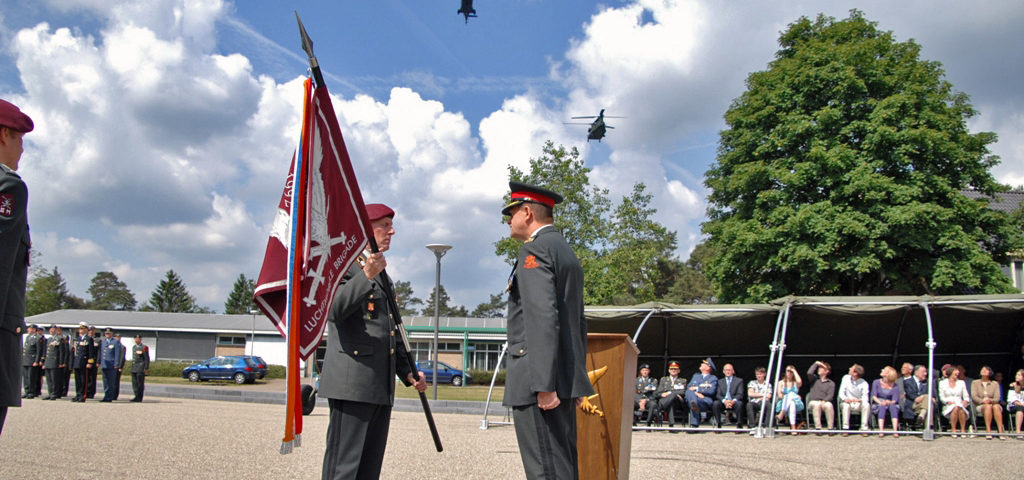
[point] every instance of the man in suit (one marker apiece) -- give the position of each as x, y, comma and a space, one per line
915, 404
547, 337
728, 397
364, 352
14, 254
701, 390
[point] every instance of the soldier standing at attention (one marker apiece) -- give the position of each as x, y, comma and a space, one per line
359, 371
109, 351
31, 358
140, 367
119, 365
14, 254
94, 372
55, 363
547, 337
84, 360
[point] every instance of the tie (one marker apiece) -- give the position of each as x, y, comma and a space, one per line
728, 391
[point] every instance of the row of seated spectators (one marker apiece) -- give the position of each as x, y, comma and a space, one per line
891, 399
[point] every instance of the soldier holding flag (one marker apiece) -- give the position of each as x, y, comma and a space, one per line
362, 337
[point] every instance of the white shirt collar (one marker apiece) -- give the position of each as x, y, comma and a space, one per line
535, 232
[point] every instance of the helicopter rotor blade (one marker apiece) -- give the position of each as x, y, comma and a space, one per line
574, 123
592, 116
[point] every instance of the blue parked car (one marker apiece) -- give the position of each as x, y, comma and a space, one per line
240, 368
445, 374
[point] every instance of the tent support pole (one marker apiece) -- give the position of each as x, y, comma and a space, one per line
929, 433
487, 404
781, 346
899, 336
759, 431
641, 327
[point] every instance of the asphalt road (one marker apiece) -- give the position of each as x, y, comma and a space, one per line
170, 438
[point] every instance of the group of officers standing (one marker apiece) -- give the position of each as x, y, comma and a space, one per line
59, 356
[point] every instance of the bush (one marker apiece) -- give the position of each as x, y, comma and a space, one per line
483, 377
162, 368
276, 371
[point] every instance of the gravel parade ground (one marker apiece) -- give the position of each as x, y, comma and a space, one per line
170, 438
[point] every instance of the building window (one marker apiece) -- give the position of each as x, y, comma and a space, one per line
484, 356
230, 341
421, 350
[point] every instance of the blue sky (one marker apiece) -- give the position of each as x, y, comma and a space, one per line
165, 127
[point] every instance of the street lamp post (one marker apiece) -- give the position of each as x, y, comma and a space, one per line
252, 335
439, 251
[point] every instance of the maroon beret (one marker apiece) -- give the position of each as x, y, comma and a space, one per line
13, 118
376, 211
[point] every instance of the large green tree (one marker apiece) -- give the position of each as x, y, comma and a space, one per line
444, 308
687, 282
240, 299
619, 248
171, 295
495, 306
107, 292
840, 173
47, 292
408, 305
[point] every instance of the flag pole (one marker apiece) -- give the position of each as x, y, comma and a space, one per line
307, 46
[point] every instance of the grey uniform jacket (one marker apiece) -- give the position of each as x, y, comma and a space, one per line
363, 347
547, 334
57, 352
140, 358
14, 250
34, 350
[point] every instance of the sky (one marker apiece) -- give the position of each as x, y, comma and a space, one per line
164, 128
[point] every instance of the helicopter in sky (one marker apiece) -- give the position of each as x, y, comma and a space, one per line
467, 10
597, 127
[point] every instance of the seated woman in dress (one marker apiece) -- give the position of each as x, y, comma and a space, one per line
954, 398
788, 395
1015, 399
985, 393
885, 400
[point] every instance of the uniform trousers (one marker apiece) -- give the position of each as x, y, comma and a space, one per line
94, 374
138, 385
109, 383
28, 379
547, 440
357, 435
55, 382
117, 383
10, 371
81, 381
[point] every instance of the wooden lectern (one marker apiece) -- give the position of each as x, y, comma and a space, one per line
603, 442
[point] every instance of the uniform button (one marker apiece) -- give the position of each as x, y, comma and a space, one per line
392, 351
392, 333
521, 351
355, 352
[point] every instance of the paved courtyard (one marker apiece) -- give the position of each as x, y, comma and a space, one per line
168, 438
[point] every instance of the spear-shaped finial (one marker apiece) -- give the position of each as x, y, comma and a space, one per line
307, 46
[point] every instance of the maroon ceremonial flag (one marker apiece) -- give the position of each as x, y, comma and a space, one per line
331, 228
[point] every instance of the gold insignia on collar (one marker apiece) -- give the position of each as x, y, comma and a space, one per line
528, 240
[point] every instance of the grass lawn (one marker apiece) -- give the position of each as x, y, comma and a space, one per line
474, 393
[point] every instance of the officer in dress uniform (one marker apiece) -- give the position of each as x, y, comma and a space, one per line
110, 350
547, 337
643, 401
94, 372
55, 363
140, 367
119, 365
359, 370
669, 393
14, 254
31, 354
36, 375
701, 390
83, 361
